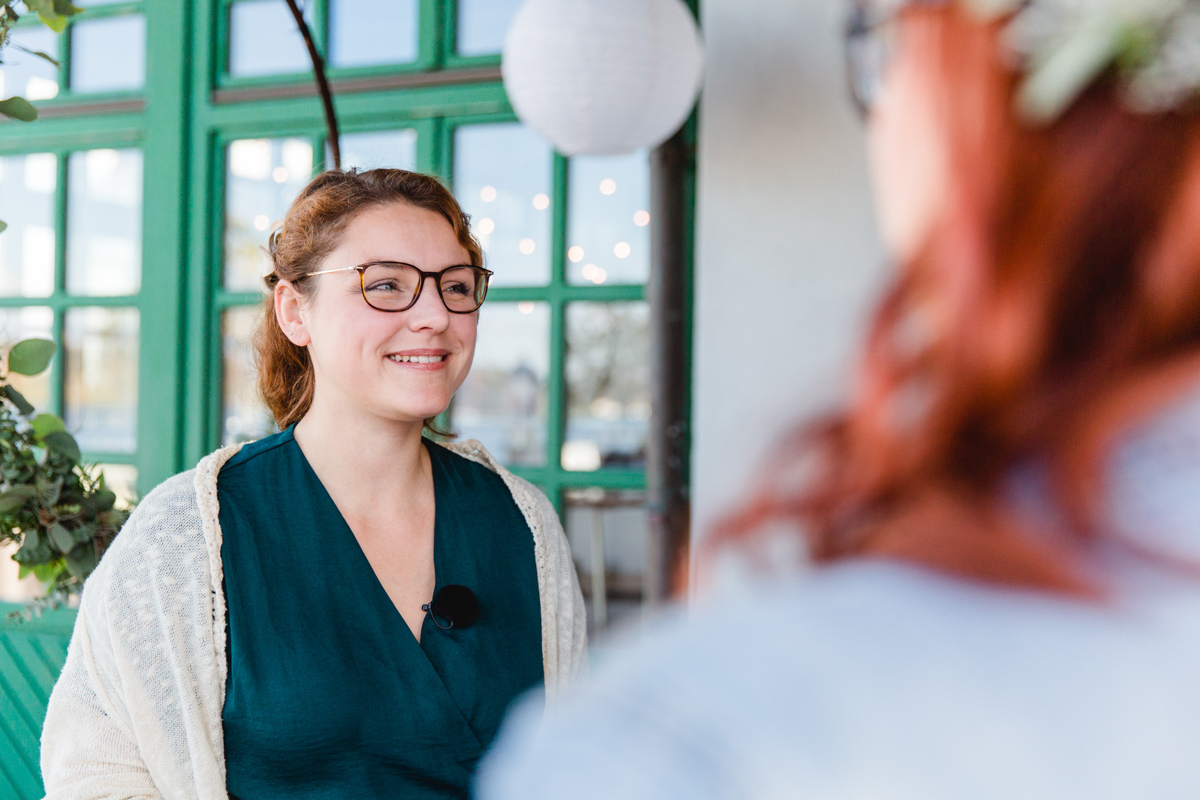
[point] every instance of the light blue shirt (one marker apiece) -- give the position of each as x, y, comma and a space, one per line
878, 680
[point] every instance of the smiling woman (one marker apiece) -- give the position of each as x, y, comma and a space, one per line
320, 562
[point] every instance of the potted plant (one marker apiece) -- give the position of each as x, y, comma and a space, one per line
55, 507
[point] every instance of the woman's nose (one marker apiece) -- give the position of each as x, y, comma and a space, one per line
429, 311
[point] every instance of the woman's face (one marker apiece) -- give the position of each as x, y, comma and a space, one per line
906, 145
361, 355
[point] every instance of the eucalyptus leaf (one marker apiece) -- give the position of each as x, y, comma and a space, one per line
81, 561
46, 423
31, 549
48, 572
104, 500
84, 533
18, 108
30, 356
61, 538
66, 8
64, 443
16, 497
48, 14
24, 570
24, 408
38, 53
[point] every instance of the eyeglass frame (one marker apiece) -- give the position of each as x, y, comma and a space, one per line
437, 281
860, 24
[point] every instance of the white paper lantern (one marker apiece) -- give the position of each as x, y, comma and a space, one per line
603, 76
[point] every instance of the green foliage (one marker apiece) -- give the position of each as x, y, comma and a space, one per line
18, 108
58, 510
30, 356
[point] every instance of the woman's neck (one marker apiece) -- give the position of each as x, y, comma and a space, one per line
367, 467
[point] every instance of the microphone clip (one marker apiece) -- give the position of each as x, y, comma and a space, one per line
455, 604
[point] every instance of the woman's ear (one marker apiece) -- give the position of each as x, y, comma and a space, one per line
289, 313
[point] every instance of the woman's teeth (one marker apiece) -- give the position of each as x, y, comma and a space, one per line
417, 359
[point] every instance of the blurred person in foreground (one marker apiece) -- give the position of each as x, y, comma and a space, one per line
1006, 515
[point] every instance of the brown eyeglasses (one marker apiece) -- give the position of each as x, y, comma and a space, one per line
396, 286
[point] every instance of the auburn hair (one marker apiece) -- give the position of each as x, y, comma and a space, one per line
311, 230
1055, 304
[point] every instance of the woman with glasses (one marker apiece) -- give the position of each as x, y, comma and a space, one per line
1005, 516
345, 608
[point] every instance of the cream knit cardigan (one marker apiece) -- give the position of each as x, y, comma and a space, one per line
136, 712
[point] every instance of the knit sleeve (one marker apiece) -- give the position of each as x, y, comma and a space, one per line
89, 747
136, 712
564, 614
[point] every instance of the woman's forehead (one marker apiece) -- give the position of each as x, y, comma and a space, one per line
400, 233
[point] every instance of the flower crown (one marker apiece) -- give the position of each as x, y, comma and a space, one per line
1064, 45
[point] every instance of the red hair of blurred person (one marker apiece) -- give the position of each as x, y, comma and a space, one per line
1056, 303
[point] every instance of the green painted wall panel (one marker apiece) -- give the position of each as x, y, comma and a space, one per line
31, 656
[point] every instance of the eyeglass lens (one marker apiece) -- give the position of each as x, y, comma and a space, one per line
392, 287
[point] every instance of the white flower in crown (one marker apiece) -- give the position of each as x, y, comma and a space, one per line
1064, 45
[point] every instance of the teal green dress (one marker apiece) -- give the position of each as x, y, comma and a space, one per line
329, 694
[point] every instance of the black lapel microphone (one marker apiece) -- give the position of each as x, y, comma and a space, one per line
456, 605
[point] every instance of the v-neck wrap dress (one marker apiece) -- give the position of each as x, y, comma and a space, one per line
329, 693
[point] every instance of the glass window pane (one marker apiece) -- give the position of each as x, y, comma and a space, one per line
108, 55
263, 176
28, 323
396, 149
121, 480
502, 403
264, 39
366, 32
608, 225
608, 385
104, 222
27, 246
244, 418
101, 378
607, 531
502, 176
482, 25
25, 74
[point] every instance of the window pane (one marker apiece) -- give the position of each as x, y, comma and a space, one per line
244, 418
503, 401
608, 379
108, 55
27, 246
104, 222
100, 390
27, 323
264, 39
608, 531
502, 176
396, 149
366, 32
482, 25
263, 176
608, 225
27, 75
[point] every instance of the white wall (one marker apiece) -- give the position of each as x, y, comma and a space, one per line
787, 256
